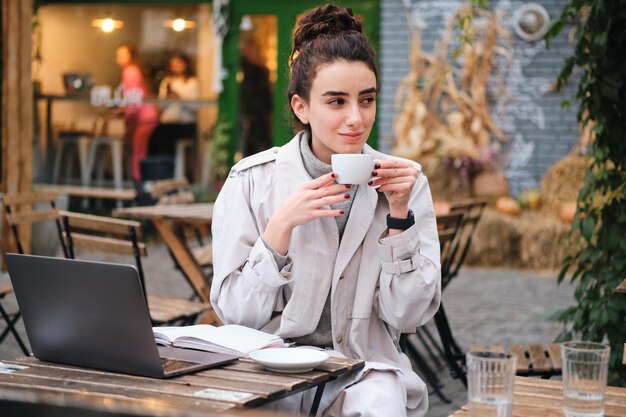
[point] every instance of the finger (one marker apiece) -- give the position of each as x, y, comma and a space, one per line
399, 188
392, 163
332, 189
395, 172
321, 181
377, 182
328, 213
327, 201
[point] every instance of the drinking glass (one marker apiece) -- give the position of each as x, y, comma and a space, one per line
490, 382
585, 366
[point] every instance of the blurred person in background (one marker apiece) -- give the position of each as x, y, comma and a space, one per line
141, 118
177, 120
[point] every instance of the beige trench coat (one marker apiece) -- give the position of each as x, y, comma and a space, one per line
379, 284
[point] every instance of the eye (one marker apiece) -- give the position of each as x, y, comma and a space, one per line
336, 102
368, 100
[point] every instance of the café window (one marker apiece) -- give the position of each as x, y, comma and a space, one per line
78, 74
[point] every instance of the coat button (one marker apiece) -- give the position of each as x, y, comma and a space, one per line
338, 339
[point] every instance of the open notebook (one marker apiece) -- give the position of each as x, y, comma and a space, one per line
230, 339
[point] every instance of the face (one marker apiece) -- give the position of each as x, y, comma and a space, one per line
341, 108
177, 66
122, 56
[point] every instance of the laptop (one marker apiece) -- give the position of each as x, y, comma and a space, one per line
94, 315
77, 83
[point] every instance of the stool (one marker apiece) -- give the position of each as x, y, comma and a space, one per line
182, 145
78, 135
81, 142
109, 134
532, 360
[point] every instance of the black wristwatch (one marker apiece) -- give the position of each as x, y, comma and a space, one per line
400, 224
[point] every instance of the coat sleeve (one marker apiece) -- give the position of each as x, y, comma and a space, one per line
410, 281
247, 285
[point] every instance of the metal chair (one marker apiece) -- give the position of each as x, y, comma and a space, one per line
124, 237
25, 209
448, 227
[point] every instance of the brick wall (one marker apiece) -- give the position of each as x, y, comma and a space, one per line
541, 132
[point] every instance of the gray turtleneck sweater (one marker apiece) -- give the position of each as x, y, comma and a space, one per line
322, 336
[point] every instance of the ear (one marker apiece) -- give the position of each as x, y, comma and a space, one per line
300, 108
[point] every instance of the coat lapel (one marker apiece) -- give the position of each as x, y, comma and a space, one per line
359, 221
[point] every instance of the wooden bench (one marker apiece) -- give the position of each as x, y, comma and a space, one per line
532, 360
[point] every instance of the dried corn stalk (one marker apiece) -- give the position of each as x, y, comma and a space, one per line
444, 111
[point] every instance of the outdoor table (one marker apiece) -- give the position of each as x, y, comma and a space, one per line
167, 219
544, 398
222, 391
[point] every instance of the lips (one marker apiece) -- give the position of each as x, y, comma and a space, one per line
352, 136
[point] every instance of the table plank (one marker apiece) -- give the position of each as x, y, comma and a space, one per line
538, 358
188, 213
100, 382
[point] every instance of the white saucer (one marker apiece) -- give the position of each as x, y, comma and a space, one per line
290, 360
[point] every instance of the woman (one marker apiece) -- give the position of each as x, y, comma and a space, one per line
298, 255
140, 119
177, 120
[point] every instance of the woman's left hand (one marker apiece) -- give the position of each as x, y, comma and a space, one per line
395, 178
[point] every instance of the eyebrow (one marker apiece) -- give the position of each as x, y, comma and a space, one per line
342, 93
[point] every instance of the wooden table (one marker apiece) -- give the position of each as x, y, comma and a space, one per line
223, 391
167, 219
536, 397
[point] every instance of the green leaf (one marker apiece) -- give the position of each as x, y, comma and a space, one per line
587, 225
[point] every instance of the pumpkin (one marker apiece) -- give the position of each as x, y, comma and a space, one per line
508, 206
529, 199
567, 212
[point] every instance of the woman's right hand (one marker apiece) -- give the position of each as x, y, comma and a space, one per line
301, 207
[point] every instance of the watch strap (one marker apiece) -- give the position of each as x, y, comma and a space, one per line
399, 223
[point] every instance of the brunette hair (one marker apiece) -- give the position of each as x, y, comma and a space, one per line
183, 57
325, 35
132, 51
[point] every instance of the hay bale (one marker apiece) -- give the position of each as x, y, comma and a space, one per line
496, 241
562, 182
444, 183
546, 242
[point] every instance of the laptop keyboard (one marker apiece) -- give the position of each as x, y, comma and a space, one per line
170, 365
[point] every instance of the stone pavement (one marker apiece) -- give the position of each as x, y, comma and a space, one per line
488, 306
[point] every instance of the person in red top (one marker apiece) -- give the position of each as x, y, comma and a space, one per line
141, 118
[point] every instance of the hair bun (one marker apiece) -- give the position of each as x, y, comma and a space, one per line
325, 20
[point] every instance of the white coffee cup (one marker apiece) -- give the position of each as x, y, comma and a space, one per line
353, 168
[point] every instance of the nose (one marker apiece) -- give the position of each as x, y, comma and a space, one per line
354, 117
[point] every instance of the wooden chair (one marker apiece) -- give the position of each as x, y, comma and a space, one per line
25, 209
124, 237
472, 211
